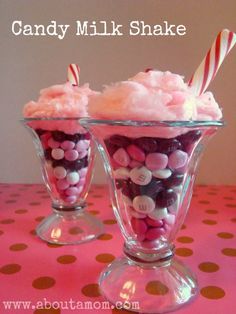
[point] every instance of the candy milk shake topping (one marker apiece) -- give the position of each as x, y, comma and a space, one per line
153, 96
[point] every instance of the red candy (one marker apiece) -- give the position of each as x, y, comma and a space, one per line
139, 226
136, 153
154, 223
154, 233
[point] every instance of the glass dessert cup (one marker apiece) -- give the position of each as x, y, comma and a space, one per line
67, 155
151, 168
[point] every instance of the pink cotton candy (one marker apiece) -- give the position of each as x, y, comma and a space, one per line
207, 107
59, 101
155, 96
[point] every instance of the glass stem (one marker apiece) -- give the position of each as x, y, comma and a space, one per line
160, 256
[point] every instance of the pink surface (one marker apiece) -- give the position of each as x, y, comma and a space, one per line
208, 236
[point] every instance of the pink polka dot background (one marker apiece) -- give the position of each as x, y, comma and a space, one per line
32, 270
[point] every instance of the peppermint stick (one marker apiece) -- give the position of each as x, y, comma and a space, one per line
210, 65
73, 74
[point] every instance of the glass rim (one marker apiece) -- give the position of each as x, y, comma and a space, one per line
146, 123
51, 119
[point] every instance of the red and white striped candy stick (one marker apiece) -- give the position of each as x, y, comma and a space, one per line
73, 74
210, 65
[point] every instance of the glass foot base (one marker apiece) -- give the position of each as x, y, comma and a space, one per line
148, 288
69, 228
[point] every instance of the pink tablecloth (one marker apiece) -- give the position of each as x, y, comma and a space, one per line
32, 271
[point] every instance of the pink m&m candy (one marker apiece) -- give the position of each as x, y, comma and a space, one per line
80, 189
71, 199
154, 233
83, 154
71, 155
67, 145
154, 222
156, 161
81, 182
135, 164
177, 159
139, 226
53, 144
72, 191
83, 172
136, 153
82, 145
121, 157
62, 184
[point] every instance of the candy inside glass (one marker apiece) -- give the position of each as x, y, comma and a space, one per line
151, 168
66, 152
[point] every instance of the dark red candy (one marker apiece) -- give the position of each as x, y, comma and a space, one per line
131, 189
77, 164
119, 183
166, 198
71, 165
40, 132
174, 180
148, 70
148, 144
111, 148
135, 189
126, 188
152, 188
59, 136
190, 137
57, 163
168, 146
47, 153
87, 136
73, 137
119, 140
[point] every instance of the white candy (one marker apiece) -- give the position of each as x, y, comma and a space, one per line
59, 172
137, 215
72, 177
141, 176
175, 207
58, 153
143, 204
178, 189
121, 173
170, 219
162, 174
159, 213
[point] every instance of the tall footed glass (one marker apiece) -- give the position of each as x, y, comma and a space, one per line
66, 152
151, 168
